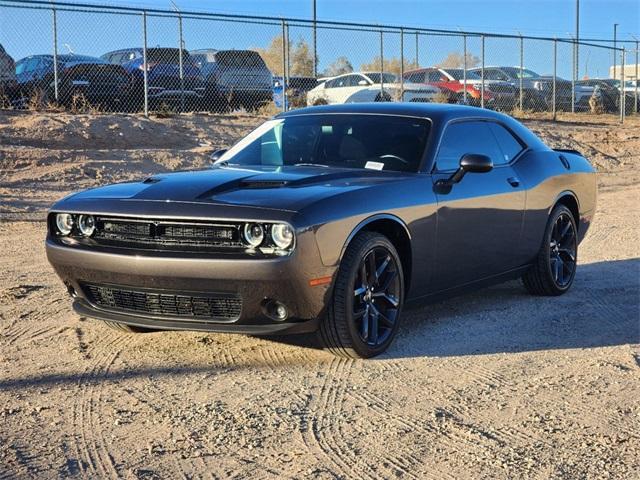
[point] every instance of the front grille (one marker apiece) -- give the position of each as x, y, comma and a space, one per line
502, 89
166, 234
214, 307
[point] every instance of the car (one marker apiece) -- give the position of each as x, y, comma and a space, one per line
608, 89
8, 82
93, 79
537, 90
297, 88
163, 75
452, 80
235, 78
329, 219
369, 87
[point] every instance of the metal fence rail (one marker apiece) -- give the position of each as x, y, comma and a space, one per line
85, 57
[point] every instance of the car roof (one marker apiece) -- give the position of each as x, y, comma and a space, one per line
440, 111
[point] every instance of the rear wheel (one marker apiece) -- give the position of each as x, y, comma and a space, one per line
555, 267
121, 327
368, 295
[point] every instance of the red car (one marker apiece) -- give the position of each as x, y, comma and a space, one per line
451, 81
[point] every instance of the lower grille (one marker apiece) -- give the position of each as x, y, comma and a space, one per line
215, 307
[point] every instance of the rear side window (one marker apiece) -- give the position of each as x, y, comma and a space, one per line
462, 138
240, 58
509, 145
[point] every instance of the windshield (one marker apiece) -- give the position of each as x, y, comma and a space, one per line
240, 58
458, 74
345, 141
386, 77
514, 72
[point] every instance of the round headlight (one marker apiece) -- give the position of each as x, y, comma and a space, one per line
64, 222
87, 225
282, 235
253, 234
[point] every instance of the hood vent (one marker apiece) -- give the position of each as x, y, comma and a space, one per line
263, 183
149, 180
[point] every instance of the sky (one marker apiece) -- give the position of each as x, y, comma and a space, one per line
25, 32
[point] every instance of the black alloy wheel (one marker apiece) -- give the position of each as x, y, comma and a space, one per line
368, 293
554, 269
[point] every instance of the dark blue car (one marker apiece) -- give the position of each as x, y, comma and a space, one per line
100, 83
163, 73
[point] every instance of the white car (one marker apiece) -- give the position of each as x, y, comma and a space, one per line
369, 87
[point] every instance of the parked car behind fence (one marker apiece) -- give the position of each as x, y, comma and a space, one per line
165, 83
369, 87
95, 80
235, 78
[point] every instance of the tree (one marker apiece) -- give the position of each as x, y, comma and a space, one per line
456, 60
340, 66
391, 65
300, 57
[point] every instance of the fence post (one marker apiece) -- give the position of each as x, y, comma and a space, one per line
555, 70
288, 44
622, 94
284, 66
635, 109
381, 65
55, 53
145, 74
181, 62
482, 75
401, 64
418, 58
521, 69
573, 78
464, 72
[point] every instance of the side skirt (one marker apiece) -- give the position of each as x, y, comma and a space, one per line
467, 287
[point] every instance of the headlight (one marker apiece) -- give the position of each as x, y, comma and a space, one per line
64, 222
253, 234
87, 225
282, 235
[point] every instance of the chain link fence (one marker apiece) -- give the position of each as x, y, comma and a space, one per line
88, 58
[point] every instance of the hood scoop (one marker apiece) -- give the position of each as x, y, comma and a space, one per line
263, 183
151, 179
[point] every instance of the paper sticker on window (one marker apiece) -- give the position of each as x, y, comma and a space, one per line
374, 165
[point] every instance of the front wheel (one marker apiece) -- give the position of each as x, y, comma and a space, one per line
555, 267
363, 316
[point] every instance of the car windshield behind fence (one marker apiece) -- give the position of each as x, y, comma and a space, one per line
386, 77
166, 55
344, 141
240, 58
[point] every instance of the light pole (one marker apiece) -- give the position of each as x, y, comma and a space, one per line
615, 41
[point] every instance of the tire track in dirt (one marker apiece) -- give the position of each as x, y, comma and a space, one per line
90, 445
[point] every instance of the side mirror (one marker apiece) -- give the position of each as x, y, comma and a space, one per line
215, 156
363, 83
469, 163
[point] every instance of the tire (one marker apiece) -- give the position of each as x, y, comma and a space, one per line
121, 327
554, 269
361, 298
383, 97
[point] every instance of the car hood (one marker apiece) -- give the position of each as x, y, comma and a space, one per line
261, 187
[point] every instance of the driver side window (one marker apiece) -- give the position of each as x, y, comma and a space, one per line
461, 138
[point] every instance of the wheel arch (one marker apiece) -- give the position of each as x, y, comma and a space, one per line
398, 234
569, 200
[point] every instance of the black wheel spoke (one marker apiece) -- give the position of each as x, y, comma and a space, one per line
562, 250
376, 296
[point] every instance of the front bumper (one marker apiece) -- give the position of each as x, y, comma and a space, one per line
255, 281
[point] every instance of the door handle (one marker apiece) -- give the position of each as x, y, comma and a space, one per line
514, 181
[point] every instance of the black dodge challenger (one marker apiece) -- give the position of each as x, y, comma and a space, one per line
329, 219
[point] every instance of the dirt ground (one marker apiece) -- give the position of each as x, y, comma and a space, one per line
495, 385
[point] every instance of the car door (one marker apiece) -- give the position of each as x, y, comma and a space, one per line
479, 220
